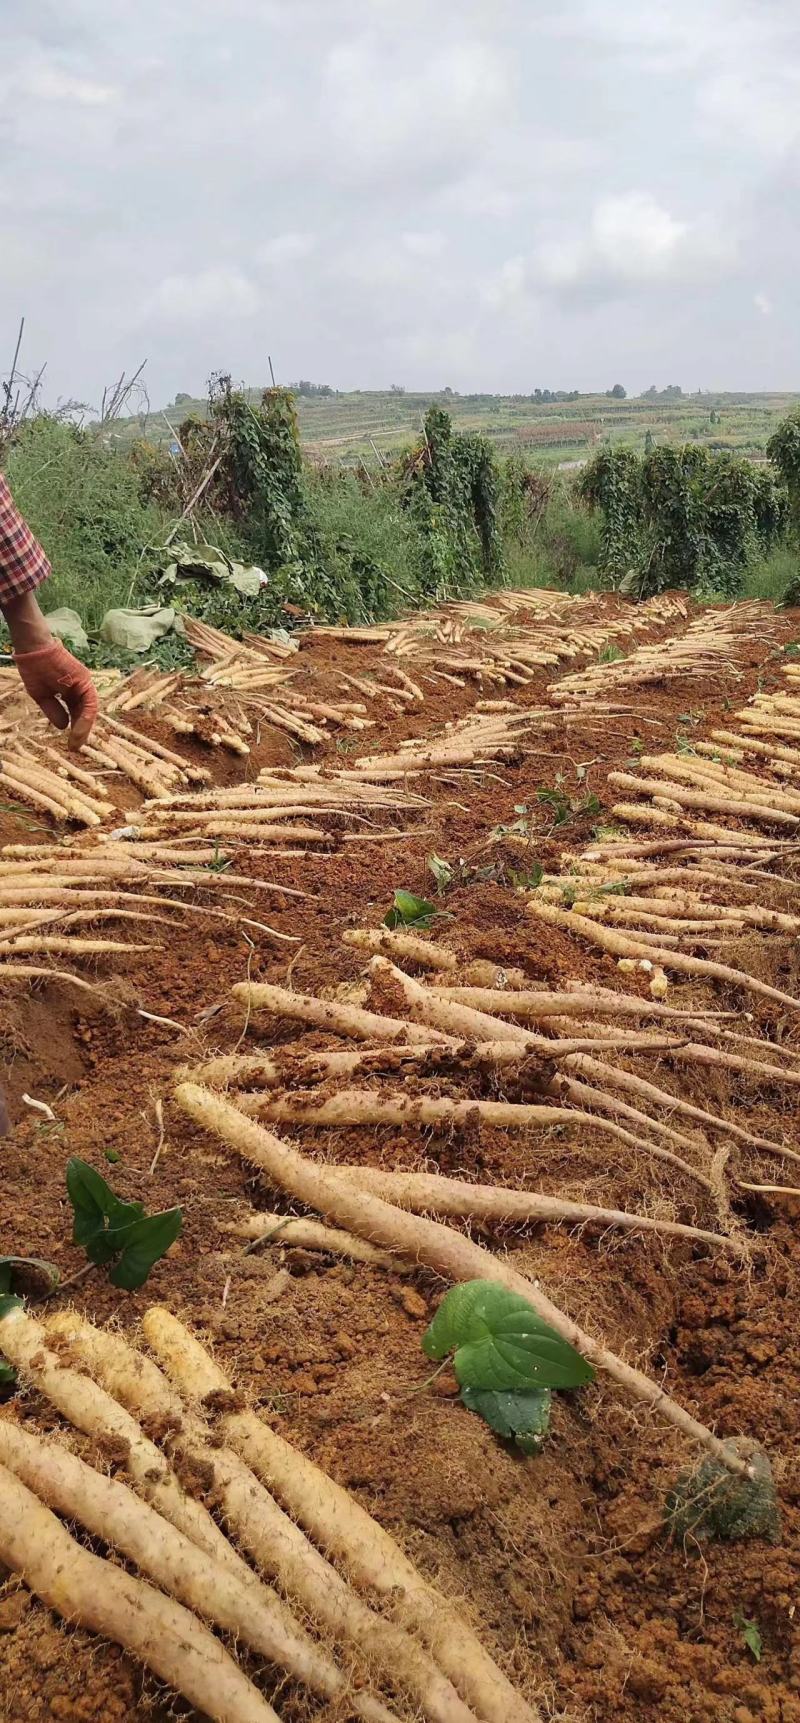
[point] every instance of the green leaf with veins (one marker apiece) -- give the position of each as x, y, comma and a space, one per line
442, 873
410, 911
499, 1342
94, 1203
522, 1415
143, 1245
112, 1231
751, 1635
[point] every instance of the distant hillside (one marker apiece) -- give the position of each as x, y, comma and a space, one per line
363, 425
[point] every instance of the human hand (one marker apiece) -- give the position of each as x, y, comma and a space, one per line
62, 688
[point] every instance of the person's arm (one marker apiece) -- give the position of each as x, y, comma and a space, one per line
60, 685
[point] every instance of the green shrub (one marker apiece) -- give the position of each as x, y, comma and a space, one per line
83, 502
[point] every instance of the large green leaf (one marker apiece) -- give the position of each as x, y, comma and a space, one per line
522, 1415
410, 911
94, 1204
109, 1228
144, 1243
499, 1342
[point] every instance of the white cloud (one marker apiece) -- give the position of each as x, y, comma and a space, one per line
424, 244
761, 108
387, 110
508, 286
409, 193
763, 303
211, 293
54, 84
631, 241
285, 248
629, 238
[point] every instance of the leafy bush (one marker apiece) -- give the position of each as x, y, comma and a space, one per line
683, 517
83, 502
453, 488
783, 449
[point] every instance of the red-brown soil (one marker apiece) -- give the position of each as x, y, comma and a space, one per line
562, 1561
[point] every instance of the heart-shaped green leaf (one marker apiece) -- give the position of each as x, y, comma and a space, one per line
499, 1342
94, 1204
410, 911
522, 1415
145, 1242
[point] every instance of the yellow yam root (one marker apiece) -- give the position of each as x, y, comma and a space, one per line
393, 943
339, 1524
264, 1228
274, 1542
624, 945
331, 1014
84, 1589
367, 1107
109, 1510
94, 1411
425, 1241
425, 1193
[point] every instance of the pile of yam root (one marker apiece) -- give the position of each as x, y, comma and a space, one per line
288, 1567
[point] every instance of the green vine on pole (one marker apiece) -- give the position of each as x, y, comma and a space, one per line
453, 490
783, 449
684, 517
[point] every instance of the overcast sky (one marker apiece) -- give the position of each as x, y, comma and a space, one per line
490, 194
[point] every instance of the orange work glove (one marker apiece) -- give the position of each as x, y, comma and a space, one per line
62, 688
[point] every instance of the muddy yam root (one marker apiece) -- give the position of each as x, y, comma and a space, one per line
339, 1524
421, 1240
88, 1591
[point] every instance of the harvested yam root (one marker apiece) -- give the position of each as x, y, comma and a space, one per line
338, 1523
535, 1061
424, 1241
402, 946
90, 1409
431, 1193
368, 1107
109, 1510
626, 945
272, 1539
266, 1228
340, 1019
84, 1589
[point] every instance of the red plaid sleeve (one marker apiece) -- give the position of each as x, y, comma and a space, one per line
23, 564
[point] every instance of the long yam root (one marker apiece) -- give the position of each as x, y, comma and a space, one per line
110, 1511
306, 1069
264, 1228
339, 1524
426, 1241
368, 1107
340, 1019
432, 1193
84, 1589
624, 945
277, 1546
90, 1409
403, 946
